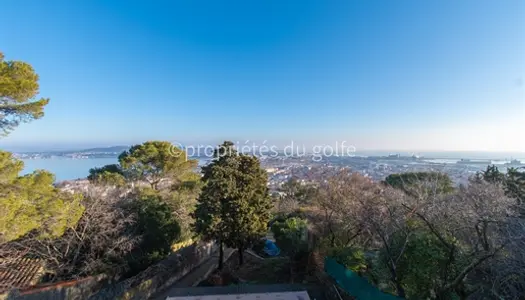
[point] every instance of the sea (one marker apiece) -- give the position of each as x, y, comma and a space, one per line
71, 169
66, 168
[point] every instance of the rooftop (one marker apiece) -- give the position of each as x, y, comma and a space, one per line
20, 273
248, 292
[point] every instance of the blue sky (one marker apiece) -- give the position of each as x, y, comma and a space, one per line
411, 75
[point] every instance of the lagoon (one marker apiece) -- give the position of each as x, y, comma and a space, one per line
71, 169
66, 168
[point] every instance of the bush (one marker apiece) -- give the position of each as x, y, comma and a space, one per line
290, 235
352, 258
157, 226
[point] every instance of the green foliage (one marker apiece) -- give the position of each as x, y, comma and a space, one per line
515, 184
182, 198
352, 258
421, 262
291, 235
110, 175
421, 182
294, 190
10, 167
155, 222
18, 89
158, 227
513, 181
492, 174
234, 205
154, 161
31, 202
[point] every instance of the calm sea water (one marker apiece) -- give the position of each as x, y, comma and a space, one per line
66, 169
69, 169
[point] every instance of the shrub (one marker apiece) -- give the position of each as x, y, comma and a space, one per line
290, 235
352, 258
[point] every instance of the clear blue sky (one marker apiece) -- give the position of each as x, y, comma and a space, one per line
420, 75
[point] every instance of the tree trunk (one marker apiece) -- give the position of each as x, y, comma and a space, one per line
241, 256
221, 255
400, 290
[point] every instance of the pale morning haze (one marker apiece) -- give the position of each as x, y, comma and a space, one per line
398, 75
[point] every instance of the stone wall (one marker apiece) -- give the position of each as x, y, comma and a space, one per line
160, 276
154, 279
73, 289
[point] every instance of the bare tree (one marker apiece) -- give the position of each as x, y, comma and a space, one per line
477, 228
98, 242
472, 224
388, 229
341, 201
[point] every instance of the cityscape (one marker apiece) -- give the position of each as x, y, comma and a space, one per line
309, 167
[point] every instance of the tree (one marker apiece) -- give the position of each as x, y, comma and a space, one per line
344, 200
515, 184
493, 175
350, 257
419, 184
249, 208
295, 194
109, 175
157, 226
118, 234
18, 90
471, 226
31, 203
234, 206
423, 241
419, 260
154, 162
98, 243
182, 199
513, 181
291, 235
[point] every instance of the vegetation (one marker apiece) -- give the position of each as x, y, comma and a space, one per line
154, 162
97, 243
513, 181
166, 172
157, 227
352, 258
416, 183
294, 194
234, 206
424, 241
291, 235
415, 235
110, 175
117, 226
31, 203
18, 90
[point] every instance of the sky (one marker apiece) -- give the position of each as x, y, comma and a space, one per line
386, 75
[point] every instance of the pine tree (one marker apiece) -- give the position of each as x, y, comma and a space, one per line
234, 206
18, 89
